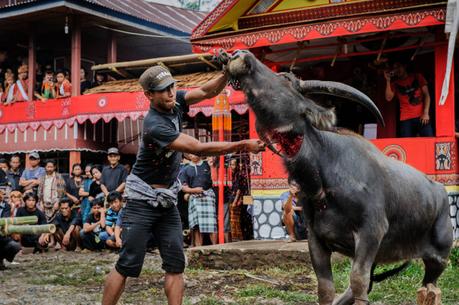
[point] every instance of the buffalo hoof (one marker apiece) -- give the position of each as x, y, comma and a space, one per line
421, 295
433, 295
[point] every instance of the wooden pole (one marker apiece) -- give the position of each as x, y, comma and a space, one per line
221, 186
112, 50
76, 55
74, 157
32, 66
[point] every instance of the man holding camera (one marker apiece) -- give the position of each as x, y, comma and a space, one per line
414, 98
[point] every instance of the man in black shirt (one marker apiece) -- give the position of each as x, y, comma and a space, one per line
114, 175
30, 209
154, 175
67, 230
15, 172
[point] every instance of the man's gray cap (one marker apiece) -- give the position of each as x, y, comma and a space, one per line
156, 78
113, 151
34, 155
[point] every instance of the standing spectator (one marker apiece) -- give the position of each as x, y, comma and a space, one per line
99, 79
4, 178
114, 175
94, 225
47, 87
95, 189
21, 89
85, 206
15, 173
5, 207
84, 83
50, 190
30, 209
115, 201
74, 184
67, 230
30, 176
63, 86
10, 86
414, 99
202, 216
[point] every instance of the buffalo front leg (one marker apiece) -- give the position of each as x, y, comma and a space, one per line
367, 242
321, 262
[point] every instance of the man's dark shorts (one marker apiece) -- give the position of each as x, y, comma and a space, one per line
140, 220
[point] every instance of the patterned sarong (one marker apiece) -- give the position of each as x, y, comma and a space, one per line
201, 212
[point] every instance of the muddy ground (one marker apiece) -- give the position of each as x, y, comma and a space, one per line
61, 278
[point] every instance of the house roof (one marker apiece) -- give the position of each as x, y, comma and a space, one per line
177, 20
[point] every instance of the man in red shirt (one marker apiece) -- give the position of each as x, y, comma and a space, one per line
414, 98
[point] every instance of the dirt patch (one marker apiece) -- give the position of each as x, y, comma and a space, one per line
61, 278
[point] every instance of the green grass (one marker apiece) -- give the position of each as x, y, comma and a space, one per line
268, 292
402, 287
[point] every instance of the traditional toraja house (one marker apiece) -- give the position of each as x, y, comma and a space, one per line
82, 33
349, 41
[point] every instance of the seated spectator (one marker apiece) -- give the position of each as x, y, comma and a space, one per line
94, 225
37, 241
8, 246
29, 180
202, 215
21, 89
47, 87
291, 215
50, 190
95, 189
8, 94
73, 185
15, 201
15, 173
84, 83
67, 229
115, 240
113, 176
63, 87
115, 201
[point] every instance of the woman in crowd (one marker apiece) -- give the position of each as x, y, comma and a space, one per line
85, 207
95, 189
73, 185
16, 203
241, 227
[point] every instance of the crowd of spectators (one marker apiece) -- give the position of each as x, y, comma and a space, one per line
50, 84
86, 206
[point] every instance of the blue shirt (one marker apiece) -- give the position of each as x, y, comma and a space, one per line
284, 197
29, 174
111, 217
196, 175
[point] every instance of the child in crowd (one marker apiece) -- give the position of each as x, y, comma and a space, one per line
63, 86
94, 226
115, 200
47, 87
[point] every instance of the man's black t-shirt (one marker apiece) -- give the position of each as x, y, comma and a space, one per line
197, 175
157, 164
41, 216
65, 224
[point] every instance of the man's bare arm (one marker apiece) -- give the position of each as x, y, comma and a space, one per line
208, 90
185, 143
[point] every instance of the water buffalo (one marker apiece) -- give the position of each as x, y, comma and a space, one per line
357, 201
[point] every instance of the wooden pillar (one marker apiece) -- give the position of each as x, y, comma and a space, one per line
112, 51
444, 114
27, 161
76, 55
74, 157
32, 66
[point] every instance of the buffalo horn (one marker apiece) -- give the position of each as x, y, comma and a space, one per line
343, 91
